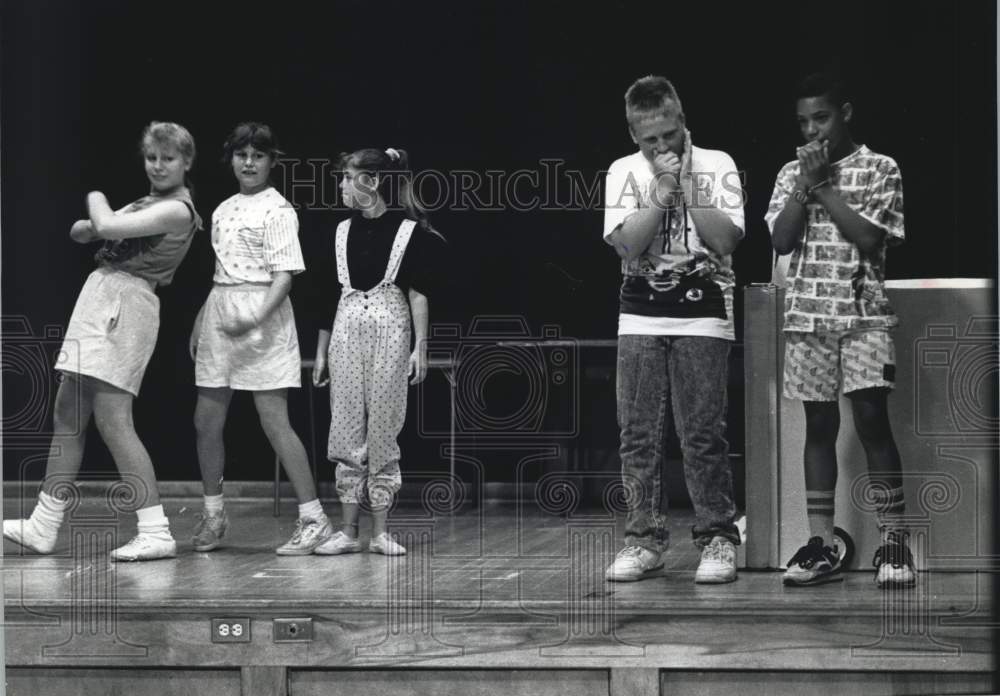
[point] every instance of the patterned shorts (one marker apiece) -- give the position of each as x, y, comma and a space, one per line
818, 365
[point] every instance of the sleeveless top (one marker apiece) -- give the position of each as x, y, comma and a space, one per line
154, 258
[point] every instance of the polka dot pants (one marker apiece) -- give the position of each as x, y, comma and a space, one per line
369, 362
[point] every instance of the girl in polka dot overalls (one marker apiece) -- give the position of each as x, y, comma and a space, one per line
245, 338
383, 255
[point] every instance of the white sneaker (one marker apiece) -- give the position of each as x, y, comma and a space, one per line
309, 534
634, 563
27, 534
337, 544
146, 547
386, 545
718, 562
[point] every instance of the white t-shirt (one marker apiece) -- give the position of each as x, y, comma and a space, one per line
678, 286
255, 236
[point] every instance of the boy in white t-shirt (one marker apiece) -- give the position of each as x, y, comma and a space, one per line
674, 214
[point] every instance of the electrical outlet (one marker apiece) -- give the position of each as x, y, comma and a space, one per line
231, 630
293, 630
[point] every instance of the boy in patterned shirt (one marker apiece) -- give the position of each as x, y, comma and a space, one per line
835, 209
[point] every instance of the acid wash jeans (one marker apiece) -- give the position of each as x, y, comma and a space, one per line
683, 378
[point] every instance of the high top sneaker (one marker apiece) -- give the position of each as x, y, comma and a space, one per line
813, 564
894, 563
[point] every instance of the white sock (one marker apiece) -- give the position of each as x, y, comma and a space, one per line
153, 521
49, 512
311, 510
214, 504
819, 510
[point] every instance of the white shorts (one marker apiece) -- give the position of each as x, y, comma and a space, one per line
265, 357
112, 332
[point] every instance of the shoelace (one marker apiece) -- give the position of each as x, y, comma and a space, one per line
207, 521
894, 552
713, 551
300, 526
808, 555
631, 551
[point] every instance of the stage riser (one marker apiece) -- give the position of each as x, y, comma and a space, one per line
363, 639
115, 682
495, 601
616, 682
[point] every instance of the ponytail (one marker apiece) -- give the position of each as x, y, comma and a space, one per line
407, 197
392, 167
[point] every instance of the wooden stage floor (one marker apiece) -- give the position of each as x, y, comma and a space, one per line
496, 587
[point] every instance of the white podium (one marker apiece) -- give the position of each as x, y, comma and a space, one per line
944, 419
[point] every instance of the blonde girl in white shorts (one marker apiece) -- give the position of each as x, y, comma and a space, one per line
244, 337
109, 341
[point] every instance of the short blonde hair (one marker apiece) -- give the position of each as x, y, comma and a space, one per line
166, 133
651, 95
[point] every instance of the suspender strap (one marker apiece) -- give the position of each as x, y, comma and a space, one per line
342, 273
403, 235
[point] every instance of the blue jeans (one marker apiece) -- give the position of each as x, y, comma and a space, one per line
683, 378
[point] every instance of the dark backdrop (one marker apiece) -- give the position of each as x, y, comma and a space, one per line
477, 86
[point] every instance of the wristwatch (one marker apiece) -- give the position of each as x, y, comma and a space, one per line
825, 182
800, 196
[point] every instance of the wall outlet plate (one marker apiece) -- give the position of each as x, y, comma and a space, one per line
231, 630
299, 630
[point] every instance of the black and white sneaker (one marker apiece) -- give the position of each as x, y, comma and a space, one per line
894, 563
813, 564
